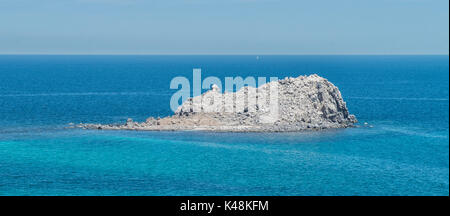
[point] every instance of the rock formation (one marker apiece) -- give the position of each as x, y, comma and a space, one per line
292, 104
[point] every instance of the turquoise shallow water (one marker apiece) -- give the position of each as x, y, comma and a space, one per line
404, 98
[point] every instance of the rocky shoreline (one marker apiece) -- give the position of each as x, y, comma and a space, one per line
298, 104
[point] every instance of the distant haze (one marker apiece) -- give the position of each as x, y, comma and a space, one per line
224, 27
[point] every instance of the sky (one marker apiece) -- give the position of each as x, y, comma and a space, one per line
224, 27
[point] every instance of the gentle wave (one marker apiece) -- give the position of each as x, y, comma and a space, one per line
393, 98
408, 131
83, 94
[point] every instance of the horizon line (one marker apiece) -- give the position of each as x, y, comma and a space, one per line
233, 54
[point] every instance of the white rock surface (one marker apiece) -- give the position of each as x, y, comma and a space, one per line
302, 103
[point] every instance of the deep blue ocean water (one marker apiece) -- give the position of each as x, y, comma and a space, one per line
404, 98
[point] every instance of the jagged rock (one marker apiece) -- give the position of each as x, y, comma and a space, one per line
303, 103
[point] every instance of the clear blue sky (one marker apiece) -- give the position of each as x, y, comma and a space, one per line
224, 26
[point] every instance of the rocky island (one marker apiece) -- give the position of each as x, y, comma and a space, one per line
292, 104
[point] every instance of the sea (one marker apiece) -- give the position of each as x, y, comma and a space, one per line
399, 147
